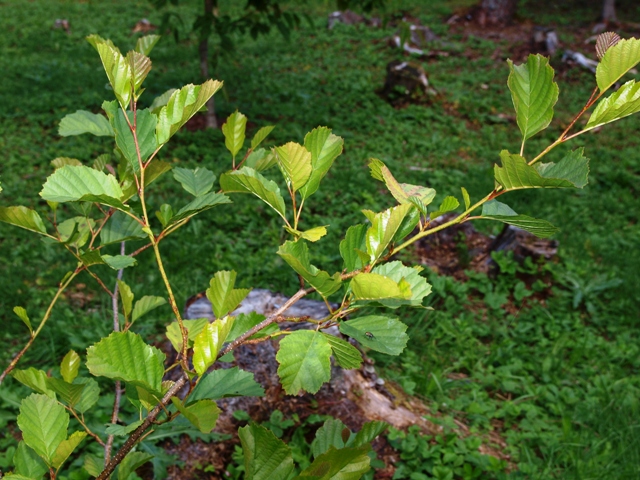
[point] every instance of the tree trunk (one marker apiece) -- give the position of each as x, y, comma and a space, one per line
203, 49
609, 11
497, 12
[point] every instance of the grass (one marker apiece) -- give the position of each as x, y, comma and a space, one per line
558, 382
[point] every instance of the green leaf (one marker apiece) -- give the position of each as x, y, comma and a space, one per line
383, 228
408, 224
223, 383
402, 192
182, 105
60, 162
76, 231
330, 434
145, 305
85, 122
121, 430
494, 210
82, 184
260, 135
203, 414
145, 132
66, 448
131, 463
465, 196
266, 457
115, 66
199, 205
377, 332
617, 60
23, 217
624, 102
124, 356
118, 262
223, 297
296, 254
70, 393
261, 160
304, 358
22, 314
164, 214
43, 423
27, 463
152, 173
534, 93
161, 100
312, 235
448, 204
354, 241
325, 147
294, 161
101, 161
208, 342
398, 273
347, 356
140, 67
372, 286
515, 174
247, 180
91, 258
194, 327
245, 321
35, 380
234, 131
197, 182
121, 228
145, 44
90, 394
93, 465
339, 464
69, 366
126, 295
368, 433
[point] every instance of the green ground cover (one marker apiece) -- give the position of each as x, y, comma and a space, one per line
558, 379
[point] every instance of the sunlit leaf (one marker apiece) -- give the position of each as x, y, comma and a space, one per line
81, 183
234, 132
296, 254
145, 305
516, 174
346, 463
145, 44
624, 102
126, 296
384, 226
69, 366
124, 356
616, 61
398, 272
354, 241
23, 217
66, 448
260, 135
447, 205
402, 192
325, 147
208, 343
295, 162
194, 327
22, 314
203, 414
304, 358
34, 379
223, 297
43, 423
247, 180
534, 93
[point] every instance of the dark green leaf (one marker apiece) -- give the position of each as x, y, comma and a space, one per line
347, 463
516, 174
229, 382
329, 435
380, 333
121, 228
131, 463
27, 463
197, 182
247, 180
265, 456
199, 205
118, 262
494, 210
145, 132
354, 240
368, 433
